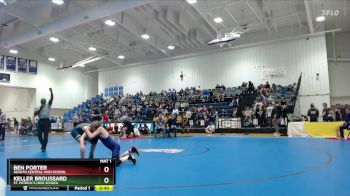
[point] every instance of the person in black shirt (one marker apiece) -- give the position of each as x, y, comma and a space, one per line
313, 113
346, 124
127, 128
276, 115
327, 114
172, 125
338, 113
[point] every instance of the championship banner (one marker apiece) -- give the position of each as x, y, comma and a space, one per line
33, 66
10, 63
2, 62
22, 65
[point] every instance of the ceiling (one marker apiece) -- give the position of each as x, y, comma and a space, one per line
27, 25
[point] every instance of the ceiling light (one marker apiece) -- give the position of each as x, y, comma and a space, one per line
110, 22
82, 65
191, 1
121, 57
52, 59
54, 39
3, 2
236, 35
320, 18
171, 47
218, 20
92, 49
145, 36
13, 51
58, 2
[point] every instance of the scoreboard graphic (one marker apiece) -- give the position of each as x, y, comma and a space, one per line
61, 174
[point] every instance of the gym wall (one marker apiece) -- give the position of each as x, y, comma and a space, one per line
70, 87
232, 67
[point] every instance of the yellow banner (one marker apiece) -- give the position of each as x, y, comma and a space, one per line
322, 129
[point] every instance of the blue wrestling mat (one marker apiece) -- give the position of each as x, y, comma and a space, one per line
217, 165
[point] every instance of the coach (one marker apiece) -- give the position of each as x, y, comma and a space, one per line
44, 123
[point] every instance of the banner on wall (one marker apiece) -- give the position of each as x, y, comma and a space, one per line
270, 73
33, 66
10, 63
2, 62
22, 65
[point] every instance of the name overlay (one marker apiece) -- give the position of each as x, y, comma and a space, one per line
61, 174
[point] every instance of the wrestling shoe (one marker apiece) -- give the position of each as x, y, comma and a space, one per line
135, 150
43, 149
132, 159
91, 156
118, 162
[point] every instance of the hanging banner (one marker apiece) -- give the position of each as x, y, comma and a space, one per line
22, 65
33, 66
10, 63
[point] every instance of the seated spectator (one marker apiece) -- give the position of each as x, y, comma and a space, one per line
281, 91
160, 125
210, 128
144, 129
251, 88
171, 124
234, 102
346, 124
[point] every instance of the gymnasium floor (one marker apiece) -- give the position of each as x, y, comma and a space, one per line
216, 165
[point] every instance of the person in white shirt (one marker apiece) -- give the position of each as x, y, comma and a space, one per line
210, 129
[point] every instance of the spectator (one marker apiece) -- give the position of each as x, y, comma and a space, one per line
15, 124
210, 128
171, 123
346, 124
160, 125
338, 113
251, 88
327, 113
3, 124
276, 114
313, 113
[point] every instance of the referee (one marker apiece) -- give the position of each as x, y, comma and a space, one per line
3, 123
44, 123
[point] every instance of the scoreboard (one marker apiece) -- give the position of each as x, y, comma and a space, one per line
61, 174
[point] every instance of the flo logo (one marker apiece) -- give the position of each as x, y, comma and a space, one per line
330, 12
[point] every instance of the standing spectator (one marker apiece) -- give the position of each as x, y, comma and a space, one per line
276, 114
3, 123
346, 124
327, 114
9, 128
44, 123
269, 112
15, 124
338, 113
313, 113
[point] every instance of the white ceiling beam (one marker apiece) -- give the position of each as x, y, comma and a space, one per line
209, 27
308, 15
269, 14
131, 26
101, 11
258, 14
